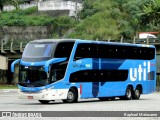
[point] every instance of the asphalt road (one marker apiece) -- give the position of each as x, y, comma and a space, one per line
9, 102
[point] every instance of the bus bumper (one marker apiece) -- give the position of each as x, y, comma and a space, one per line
47, 94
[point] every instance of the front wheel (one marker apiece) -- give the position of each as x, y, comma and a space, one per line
72, 96
44, 101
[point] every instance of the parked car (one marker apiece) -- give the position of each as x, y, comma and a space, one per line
143, 38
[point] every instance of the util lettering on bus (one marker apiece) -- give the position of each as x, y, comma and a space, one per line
138, 72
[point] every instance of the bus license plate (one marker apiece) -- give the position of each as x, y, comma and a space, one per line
30, 97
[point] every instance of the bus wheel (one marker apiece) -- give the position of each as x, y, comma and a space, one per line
44, 101
71, 96
128, 94
137, 93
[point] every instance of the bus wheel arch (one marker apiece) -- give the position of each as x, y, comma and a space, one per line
137, 92
72, 95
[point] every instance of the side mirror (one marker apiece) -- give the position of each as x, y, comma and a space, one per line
13, 64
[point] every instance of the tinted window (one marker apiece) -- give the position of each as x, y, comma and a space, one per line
99, 76
87, 50
35, 52
63, 49
32, 76
38, 50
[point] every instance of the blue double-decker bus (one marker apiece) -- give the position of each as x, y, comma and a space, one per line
73, 69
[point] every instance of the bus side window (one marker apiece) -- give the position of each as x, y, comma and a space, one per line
87, 50
150, 53
63, 49
81, 51
108, 51
56, 72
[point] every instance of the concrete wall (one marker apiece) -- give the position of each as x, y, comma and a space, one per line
16, 75
54, 13
3, 76
21, 33
3, 63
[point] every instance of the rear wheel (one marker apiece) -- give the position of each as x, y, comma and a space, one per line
137, 93
72, 96
44, 101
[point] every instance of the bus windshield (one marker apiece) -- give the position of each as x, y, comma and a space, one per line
32, 76
38, 52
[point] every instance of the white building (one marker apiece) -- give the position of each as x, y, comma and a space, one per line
50, 5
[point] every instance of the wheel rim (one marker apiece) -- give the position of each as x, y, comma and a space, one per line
70, 95
128, 93
137, 93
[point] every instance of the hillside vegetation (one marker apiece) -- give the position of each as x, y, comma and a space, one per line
108, 19
99, 19
23, 18
29, 17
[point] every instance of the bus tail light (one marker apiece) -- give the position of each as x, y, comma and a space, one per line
80, 88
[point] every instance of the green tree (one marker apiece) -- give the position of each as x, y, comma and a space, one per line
88, 9
102, 25
150, 15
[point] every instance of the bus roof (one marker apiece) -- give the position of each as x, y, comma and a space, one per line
54, 40
115, 43
90, 41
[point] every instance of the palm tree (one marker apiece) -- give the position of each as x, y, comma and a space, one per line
151, 12
12, 2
